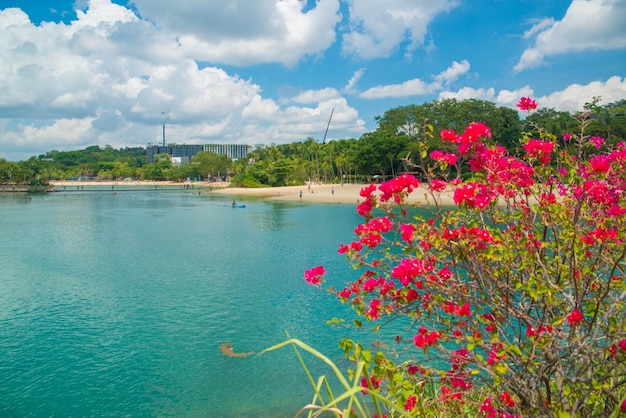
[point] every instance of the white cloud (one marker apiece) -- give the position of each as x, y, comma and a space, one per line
587, 25
416, 86
101, 14
574, 97
511, 97
314, 96
93, 86
350, 88
570, 99
378, 27
452, 73
246, 32
469, 93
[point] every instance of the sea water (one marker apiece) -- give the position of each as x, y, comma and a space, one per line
113, 302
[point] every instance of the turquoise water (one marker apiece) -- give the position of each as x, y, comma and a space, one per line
115, 304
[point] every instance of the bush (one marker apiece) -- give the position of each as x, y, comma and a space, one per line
516, 296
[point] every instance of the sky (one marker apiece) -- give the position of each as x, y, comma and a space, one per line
76, 73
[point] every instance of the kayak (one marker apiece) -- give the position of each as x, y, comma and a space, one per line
235, 206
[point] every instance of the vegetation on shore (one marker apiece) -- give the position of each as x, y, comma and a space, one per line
392, 148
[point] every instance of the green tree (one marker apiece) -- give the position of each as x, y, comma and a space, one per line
211, 164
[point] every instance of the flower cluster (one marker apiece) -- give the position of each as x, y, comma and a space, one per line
314, 276
445, 157
541, 150
525, 273
526, 104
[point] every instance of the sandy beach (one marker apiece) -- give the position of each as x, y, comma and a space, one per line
324, 193
317, 193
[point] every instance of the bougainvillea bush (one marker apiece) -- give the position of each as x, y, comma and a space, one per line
516, 295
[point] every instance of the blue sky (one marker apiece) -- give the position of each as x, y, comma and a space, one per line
103, 72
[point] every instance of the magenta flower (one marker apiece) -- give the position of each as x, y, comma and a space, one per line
597, 141
574, 317
526, 104
367, 190
600, 164
407, 231
314, 276
449, 135
410, 403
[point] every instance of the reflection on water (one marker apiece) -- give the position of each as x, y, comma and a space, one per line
116, 304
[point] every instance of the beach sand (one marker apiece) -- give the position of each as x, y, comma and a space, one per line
325, 193
316, 193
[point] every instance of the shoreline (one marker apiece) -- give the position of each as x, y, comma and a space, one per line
346, 193
327, 193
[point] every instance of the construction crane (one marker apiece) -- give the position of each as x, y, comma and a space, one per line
329, 119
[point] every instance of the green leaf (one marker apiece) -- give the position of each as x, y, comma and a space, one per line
501, 368
515, 350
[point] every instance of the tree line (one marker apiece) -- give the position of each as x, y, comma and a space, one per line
403, 135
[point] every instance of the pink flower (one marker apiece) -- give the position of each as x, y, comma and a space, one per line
437, 155
446, 157
448, 135
406, 231
412, 369
539, 149
367, 191
474, 131
526, 104
395, 187
425, 339
486, 406
506, 399
373, 311
622, 344
473, 194
365, 208
600, 164
410, 403
597, 141
438, 185
374, 383
574, 317
314, 275
409, 268
623, 407
567, 136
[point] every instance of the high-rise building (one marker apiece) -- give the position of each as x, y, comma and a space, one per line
185, 152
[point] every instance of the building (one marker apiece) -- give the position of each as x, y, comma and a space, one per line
183, 153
